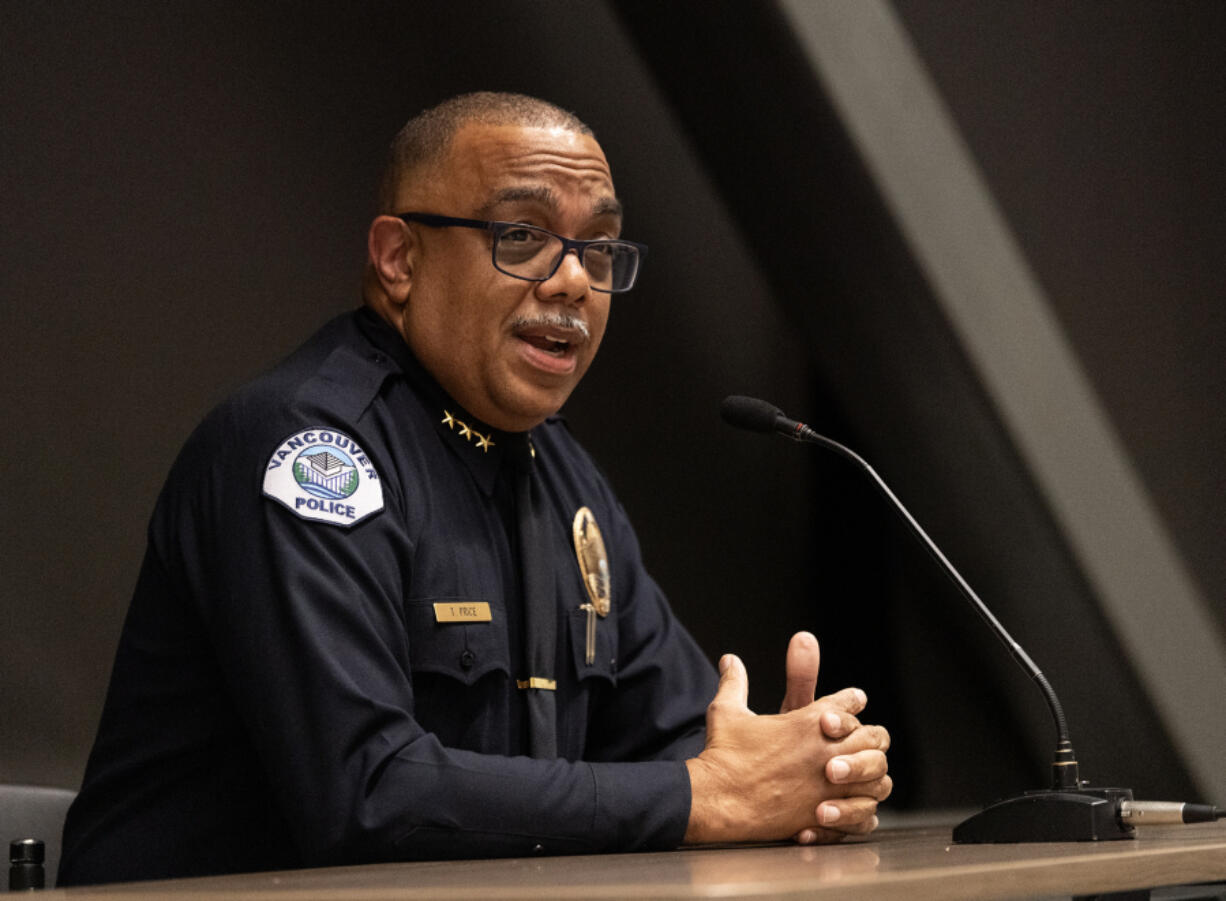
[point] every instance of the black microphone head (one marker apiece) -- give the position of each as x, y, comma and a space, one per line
749, 413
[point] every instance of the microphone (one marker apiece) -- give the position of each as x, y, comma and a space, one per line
1068, 811
752, 414
755, 415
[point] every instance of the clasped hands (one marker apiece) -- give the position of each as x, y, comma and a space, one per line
813, 773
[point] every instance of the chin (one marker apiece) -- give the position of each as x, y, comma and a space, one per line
523, 412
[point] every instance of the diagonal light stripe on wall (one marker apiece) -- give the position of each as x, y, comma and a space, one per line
932, 186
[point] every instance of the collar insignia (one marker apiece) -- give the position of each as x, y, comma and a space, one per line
468, 433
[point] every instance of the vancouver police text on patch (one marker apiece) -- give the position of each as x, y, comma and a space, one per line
323, 474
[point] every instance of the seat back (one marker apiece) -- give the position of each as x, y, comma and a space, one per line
31, 811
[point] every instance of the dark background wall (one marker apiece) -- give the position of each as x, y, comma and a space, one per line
184, 190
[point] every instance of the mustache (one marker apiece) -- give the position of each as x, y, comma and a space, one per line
565, 321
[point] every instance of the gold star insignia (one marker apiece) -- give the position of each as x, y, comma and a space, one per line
467, 432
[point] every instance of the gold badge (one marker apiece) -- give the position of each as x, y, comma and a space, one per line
593, 560
594, 567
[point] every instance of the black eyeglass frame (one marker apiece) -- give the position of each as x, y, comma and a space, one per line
433, 220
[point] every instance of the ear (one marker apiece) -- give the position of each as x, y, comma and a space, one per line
391, 248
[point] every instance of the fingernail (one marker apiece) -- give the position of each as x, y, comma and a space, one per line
874, 824
724, 663
839, 769
830, 814
861, 697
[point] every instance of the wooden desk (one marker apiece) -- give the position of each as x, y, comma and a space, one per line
910, 864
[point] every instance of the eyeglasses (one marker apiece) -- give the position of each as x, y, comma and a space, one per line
534, 254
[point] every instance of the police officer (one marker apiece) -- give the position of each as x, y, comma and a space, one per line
390, 609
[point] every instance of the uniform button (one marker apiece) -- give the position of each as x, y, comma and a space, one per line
467, 659
538, 849
378, 358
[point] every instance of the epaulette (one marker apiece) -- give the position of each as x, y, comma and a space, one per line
348, 381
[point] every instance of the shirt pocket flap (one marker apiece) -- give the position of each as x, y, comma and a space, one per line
604, 663
465, 651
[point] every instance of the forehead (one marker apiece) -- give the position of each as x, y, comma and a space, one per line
488, 166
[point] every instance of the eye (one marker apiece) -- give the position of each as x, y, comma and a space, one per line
521, 235
520, 244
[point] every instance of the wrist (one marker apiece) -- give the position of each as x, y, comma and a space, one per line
707, 821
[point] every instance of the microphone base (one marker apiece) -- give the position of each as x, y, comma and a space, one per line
1075, 815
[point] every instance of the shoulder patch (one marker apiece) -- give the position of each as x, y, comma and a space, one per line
323, 475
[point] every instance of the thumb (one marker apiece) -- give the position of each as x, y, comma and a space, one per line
804, 658
733, 688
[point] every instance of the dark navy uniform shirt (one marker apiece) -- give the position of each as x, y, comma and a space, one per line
284, 694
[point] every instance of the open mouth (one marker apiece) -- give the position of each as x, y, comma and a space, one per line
553, 346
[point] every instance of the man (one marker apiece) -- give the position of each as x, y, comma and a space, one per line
384, 574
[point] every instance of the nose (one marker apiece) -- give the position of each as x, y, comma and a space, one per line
569, 282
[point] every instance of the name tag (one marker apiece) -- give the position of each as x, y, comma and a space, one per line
476, 612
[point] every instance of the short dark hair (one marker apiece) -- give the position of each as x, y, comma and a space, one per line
426, 137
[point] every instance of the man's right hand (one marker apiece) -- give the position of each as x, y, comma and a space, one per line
764, 778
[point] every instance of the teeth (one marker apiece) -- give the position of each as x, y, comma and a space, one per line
549, 345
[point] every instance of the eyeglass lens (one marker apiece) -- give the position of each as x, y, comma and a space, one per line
531, 253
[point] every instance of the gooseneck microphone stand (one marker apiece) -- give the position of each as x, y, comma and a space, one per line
1068, 810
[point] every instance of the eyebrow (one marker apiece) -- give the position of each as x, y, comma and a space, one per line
605, 206
538, 193
608, 206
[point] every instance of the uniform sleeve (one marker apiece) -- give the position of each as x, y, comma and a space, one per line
307, 622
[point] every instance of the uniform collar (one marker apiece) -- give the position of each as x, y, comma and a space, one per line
483, 449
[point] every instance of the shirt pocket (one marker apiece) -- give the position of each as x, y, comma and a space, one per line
464, 651
604, 665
